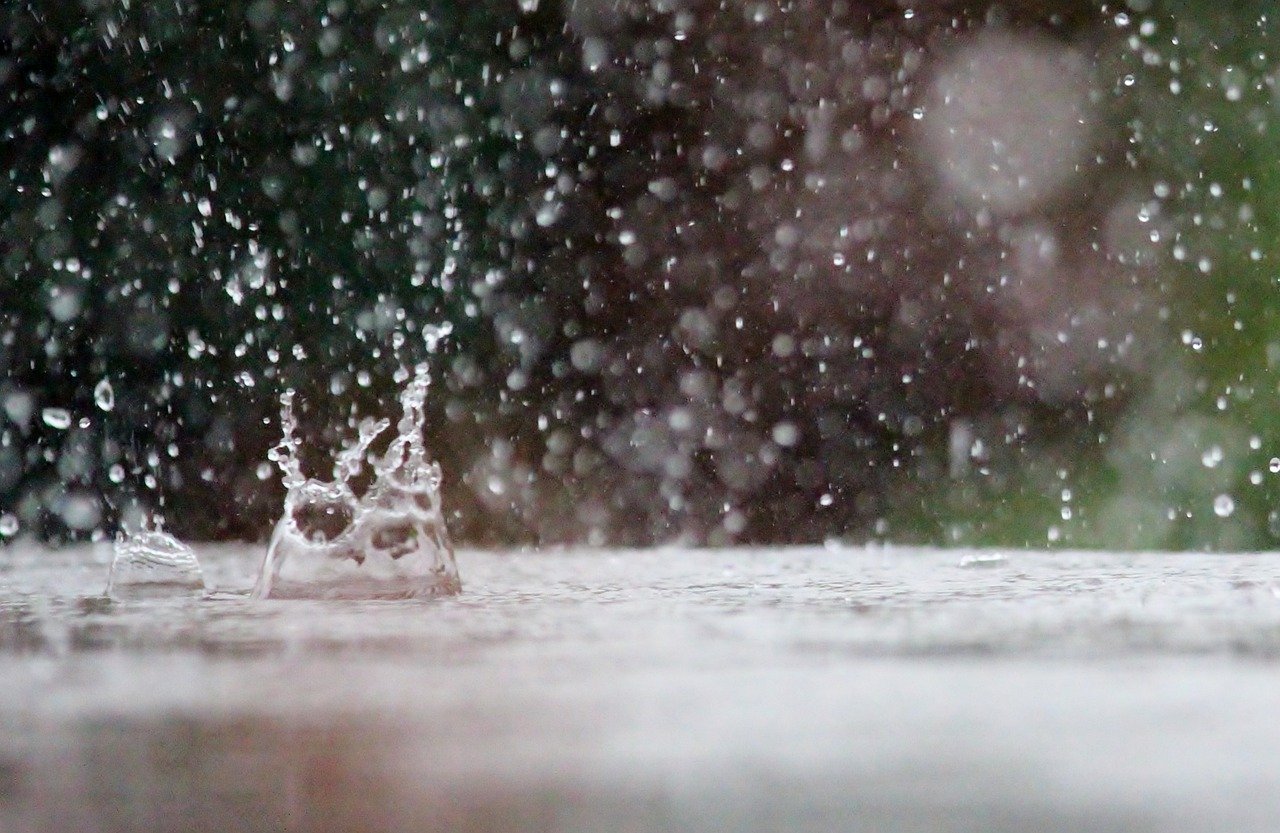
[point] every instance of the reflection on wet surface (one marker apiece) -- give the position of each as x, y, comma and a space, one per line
248, 775
716, 690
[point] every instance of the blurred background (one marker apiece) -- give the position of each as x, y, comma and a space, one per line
749, 271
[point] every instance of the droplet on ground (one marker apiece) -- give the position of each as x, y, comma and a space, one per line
983, 559
153, 564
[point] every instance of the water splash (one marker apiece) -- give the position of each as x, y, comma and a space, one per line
150, 563
984, 559
390, 542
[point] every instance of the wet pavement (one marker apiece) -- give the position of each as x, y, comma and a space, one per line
798, 689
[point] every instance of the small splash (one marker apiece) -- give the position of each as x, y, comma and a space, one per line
389, 543
983, 559
151, 563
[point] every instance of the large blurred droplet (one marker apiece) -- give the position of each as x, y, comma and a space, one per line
1008, 121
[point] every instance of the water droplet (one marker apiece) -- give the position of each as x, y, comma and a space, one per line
1223, 506
8, 524
104, 395
1211, 457
59, 418
786, 434
434, 334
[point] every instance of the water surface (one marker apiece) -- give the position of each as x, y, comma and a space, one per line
799, 689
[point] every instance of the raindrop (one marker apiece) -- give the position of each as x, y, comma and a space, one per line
59, 418
1223, 506
104, 395
786, 434
8, 524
